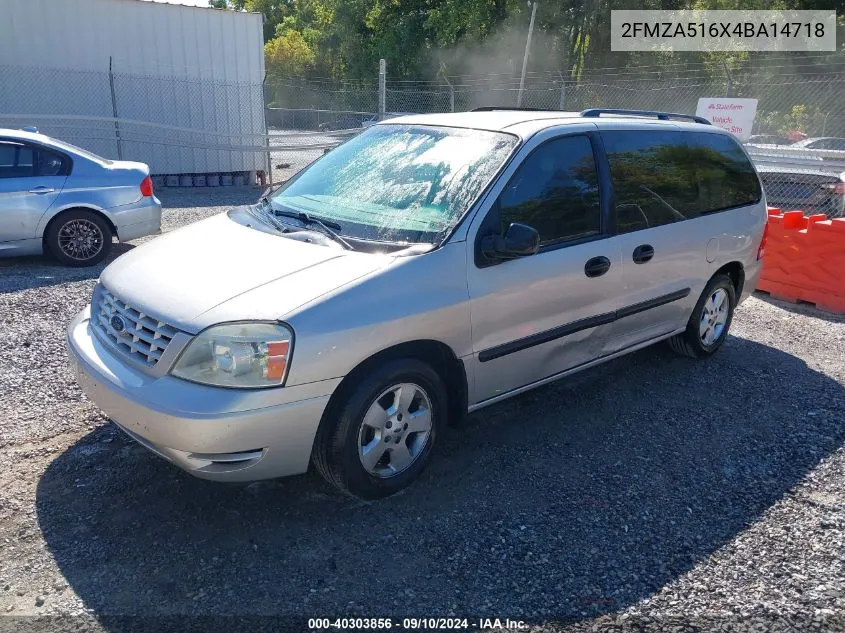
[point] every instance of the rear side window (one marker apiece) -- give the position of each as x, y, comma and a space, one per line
52, 164
555, 191
828, 143
665, 176
724, 175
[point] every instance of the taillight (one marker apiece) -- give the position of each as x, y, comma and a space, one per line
762, 250
147, 186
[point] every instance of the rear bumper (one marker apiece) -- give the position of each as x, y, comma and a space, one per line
213, 433
137, 220
752, 277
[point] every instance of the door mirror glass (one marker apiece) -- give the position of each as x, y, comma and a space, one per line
520, 240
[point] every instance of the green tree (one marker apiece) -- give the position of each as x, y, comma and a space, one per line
288, 54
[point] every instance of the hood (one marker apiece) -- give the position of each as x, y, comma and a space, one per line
220, 270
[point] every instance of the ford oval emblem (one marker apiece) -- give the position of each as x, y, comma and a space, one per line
118, 324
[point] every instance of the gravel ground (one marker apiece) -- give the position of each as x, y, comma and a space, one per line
654, 492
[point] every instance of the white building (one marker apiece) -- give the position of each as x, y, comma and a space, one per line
185, 84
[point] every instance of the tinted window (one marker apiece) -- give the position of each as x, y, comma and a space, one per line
7, 155
25, 157
660, 177
829, 143
724, 175
15, 160
555, 191
50, 163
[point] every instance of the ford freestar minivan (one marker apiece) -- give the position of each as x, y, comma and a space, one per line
430, 266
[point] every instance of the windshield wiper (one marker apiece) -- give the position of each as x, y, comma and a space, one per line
326, 226
282, 228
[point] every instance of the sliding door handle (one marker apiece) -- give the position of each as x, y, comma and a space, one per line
597, 266
643, 253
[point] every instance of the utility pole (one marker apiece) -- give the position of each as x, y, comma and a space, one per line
442, 73
562, 92
729, 77
525, 57
382, 88
114, 112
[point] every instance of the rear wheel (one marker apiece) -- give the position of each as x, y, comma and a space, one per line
79, 238
378, 438
711, 318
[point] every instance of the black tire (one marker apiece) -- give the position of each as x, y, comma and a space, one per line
335, 453
689, 343
93, 223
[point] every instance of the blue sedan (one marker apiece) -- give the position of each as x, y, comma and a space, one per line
68, 202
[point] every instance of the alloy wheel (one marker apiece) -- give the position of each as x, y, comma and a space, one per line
714, 316
395, 430
80, 239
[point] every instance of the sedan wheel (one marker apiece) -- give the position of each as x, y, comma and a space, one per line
78, 237
81, 239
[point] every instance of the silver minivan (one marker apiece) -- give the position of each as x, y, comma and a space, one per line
430, 266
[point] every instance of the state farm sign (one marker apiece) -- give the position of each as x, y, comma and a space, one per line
734, 115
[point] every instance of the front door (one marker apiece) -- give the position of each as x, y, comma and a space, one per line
541, 314
30, 182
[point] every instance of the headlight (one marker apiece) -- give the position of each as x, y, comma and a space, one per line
238, 355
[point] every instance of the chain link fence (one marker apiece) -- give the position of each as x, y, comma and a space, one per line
237, 130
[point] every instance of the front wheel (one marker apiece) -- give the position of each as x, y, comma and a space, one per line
711, 318
378, 437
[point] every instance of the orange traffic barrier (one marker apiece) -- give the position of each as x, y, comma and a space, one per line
804, 259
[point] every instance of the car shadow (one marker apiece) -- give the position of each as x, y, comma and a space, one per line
801, 307
37, 271
570, 501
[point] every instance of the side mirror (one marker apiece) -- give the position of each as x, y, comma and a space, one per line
520, 240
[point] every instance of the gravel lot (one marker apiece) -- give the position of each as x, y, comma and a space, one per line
654, 490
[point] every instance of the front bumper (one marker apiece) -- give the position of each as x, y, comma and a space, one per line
211, 432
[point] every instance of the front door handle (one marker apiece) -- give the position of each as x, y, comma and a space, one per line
42, 190
643, 253
597, 266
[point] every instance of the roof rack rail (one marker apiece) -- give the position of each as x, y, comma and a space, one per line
505, 108
663, 116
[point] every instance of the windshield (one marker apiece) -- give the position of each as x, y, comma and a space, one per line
398, 183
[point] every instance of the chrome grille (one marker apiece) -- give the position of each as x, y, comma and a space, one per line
142, 337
